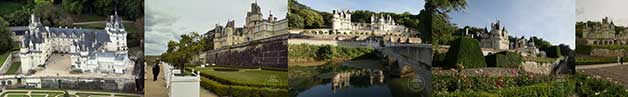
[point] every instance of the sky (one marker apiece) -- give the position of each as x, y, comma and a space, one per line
552, 20
396, 6
595, 10
168, 19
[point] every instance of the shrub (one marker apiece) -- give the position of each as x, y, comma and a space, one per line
588, 86
504, 59
326, 52
242, 91
465, 51
553, 52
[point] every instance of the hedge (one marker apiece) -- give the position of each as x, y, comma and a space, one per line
504, 59
598, 60
465, 51
553, 52
241, 91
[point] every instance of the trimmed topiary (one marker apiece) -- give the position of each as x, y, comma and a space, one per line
465, 51
504, 59
553, 52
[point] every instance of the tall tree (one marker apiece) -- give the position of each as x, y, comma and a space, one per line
438, 9
6, 42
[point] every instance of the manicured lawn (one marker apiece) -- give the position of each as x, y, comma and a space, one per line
3, 57
13, 69
248, 77
90, 17
129, 27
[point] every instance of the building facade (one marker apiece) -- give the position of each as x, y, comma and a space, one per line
496, 38
256, 28
379, 25
603, 33
90, 50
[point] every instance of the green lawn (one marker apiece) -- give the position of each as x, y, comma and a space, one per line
129, 27
9, 7
13, 69
89, 17
248, 77
3, 57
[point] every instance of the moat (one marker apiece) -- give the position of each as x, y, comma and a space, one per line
363, 78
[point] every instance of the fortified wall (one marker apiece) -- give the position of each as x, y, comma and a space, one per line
269, 52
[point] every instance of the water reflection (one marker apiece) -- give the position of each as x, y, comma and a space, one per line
347, 80
343, 79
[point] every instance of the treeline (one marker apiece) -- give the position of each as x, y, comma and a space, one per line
64, 12
185, 49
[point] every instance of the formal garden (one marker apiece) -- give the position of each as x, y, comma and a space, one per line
243, 82
62, 93
464, 71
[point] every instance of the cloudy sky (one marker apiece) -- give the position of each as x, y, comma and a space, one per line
595, 10
396, 6
552, 20
168, 19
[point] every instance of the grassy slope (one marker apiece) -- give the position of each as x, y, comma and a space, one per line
13, 69
263, 77
3, 57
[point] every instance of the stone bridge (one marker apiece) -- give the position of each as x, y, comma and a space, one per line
410, 60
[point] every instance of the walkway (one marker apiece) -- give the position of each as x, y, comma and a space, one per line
158, 88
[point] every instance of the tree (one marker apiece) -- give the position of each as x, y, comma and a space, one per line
6, 42
326, 52
73, 6
437, 10
295, 21
311, 18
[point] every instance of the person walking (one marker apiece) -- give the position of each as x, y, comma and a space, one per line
155, 71
619, 60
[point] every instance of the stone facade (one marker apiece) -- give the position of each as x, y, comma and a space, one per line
255, 28
525, 47
91, 50
496, 38
379, 25
604, 33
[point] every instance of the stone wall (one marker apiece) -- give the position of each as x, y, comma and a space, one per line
71, 83
269, 52
608, 53
122, 85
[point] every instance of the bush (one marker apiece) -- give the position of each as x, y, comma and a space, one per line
326, 52
241, 91
504, 59
553, 52
588, 86
465, 51
551, 89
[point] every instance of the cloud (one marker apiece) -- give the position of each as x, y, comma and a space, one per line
396, 6
595, 10
169, 19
